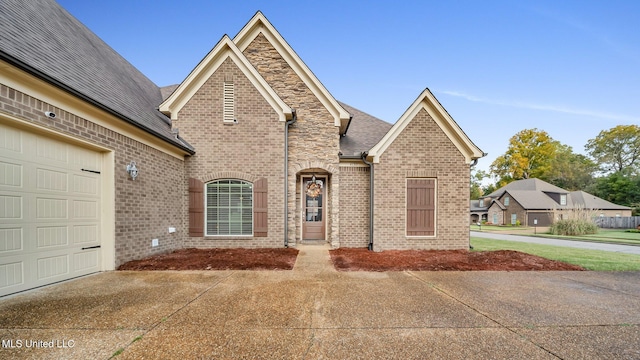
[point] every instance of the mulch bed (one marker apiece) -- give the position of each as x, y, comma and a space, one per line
356, 259
218, 259
349, 259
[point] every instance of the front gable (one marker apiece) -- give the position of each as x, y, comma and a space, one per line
260, 26
427, 102
225, 49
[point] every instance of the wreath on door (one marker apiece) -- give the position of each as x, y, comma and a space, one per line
313, 189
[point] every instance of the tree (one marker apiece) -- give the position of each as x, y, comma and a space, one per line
530, 155
618, 188
476, 183
569, 170
617, 149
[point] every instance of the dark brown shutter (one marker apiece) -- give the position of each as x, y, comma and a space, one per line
260, 225
196, 208
421, 207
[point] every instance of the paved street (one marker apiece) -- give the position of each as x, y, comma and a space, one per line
627, 249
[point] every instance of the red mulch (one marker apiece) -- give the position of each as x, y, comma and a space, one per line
218, 259
348, 259
357, 259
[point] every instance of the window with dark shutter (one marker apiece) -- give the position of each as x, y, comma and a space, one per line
196, 208
421, 206
260, 224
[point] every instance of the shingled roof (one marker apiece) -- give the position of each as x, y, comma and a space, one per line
43, 39
533, 194
363, 133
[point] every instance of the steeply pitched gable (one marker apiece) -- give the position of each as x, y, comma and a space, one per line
260, 25
428, 102
223, 50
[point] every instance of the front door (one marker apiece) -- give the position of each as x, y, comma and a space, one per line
314, 214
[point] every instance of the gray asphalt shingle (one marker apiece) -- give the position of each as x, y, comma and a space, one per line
44, 37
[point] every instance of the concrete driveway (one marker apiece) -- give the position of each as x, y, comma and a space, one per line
314, 312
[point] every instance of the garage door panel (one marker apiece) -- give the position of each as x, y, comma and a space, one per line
52, 265
10, 174
52, 151
85, 185
10, 140
11, 275
10, 207
52, 180
10, 239
50, 210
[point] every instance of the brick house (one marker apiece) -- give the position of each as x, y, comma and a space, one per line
533, 202
250, 150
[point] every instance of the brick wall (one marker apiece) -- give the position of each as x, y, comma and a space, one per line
144, 208
422, 150
249, 150
313, 139
354, 206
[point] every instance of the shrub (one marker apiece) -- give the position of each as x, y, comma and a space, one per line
573, 227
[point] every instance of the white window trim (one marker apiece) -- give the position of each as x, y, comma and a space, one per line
206, 224
563, 199
435, 210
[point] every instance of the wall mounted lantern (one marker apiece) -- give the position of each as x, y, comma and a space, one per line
132, 170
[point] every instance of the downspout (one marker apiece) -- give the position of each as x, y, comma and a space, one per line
363, 156
294, 118
475, 161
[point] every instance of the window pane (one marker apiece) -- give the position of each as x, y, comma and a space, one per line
229, 207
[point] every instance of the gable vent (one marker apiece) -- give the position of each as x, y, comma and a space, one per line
228, 116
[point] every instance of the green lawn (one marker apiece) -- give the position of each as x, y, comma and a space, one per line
616, 236
589, 259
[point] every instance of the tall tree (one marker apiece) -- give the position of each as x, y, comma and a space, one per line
569, 170
530, 155
476, 183
617, 149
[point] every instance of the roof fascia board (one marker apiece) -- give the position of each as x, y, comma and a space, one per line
427, 101
259, 24
223, 50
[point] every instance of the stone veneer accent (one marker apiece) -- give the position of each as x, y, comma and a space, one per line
144, 208
313, 138
422, 150
249, 150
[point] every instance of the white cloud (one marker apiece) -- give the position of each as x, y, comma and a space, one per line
542, 107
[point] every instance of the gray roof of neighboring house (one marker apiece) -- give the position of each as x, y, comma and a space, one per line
532, 194
364, 132
593, 202
43, 39
527, 185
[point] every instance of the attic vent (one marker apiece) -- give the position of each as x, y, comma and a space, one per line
228, 116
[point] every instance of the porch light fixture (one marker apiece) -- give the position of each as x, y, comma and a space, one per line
132, 170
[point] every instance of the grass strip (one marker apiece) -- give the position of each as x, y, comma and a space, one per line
595, 260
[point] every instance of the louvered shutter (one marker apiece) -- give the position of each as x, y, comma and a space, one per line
196, 208
260, 225
421, 207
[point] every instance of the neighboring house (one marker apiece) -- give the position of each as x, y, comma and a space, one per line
250, 150
525, 201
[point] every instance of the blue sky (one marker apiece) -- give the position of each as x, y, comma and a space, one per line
567, 67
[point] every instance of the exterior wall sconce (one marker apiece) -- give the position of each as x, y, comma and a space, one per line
132, 170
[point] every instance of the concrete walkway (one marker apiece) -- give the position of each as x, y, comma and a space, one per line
315, 312
627, 249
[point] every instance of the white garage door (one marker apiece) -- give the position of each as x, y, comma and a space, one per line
50, 209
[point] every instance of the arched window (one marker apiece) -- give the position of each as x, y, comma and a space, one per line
229, 208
